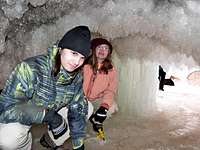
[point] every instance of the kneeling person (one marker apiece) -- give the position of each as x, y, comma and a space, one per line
41, 88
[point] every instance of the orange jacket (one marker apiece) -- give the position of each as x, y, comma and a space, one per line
102, 86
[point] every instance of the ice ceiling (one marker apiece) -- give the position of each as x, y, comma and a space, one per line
144, 33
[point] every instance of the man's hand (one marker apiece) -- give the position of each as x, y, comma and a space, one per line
56, 123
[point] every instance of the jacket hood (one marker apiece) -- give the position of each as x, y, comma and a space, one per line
52, 51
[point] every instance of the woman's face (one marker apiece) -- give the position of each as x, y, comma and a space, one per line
102, 51
71, 60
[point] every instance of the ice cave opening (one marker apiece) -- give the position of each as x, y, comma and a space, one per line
138, 93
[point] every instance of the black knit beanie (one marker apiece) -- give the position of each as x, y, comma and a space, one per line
77, 39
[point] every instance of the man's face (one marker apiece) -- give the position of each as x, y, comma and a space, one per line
71, 60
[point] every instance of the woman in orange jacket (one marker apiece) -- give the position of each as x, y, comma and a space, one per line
100, 81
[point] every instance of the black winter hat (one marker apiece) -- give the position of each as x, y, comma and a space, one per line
77, 39
98, 41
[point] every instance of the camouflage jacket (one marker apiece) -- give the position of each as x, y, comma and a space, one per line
31, 88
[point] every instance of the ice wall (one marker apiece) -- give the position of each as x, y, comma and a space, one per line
137, 86
144, 33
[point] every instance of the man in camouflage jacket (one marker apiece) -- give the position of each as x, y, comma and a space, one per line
33, 95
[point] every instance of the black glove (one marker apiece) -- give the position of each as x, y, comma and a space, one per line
80, 148
96, 125
47, 142
98, 118
56, 123
101, 114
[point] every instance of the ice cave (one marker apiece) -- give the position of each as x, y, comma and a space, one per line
144, 35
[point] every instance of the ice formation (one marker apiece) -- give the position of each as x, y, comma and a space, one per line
144, 34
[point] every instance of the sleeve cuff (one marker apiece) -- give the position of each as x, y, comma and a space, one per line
77, 143
105, 105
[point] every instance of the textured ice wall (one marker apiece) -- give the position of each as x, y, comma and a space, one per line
136, 94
